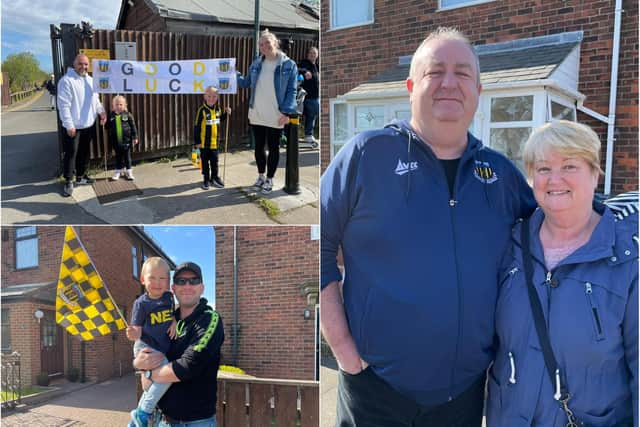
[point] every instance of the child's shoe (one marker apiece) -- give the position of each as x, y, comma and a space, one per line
116, 176
129, 174
205, 185
139, 418
217, 182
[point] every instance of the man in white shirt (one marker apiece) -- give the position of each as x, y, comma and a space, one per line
78, 106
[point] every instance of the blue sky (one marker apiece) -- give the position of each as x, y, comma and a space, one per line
25, 23
189, 243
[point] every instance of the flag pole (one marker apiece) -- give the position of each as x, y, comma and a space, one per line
104, 284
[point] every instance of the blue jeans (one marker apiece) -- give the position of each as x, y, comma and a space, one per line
150, 397
209, 422
311, 110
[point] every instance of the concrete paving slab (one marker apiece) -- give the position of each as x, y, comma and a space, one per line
105, 404
171, 192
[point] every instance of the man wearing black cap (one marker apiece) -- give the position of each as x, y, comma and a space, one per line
194, 355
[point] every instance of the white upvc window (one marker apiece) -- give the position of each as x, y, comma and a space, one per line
560, 108
454, 4
508, 117
26, 253
134, 261
339, 125
347, 119
350, 13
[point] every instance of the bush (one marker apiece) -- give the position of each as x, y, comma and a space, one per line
73, 374
42, 379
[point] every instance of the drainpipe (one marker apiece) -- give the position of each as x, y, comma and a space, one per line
83, 377
612, 97
235, 297
611, 119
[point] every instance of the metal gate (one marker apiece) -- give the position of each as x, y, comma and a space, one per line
11, 382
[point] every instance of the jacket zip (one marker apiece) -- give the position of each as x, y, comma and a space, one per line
594, 312
452, 204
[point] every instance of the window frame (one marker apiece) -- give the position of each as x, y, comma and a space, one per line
341, 27
390, 105
564, 101
135, 265
18, 239
457, 6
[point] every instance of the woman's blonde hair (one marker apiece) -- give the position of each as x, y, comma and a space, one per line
154, 261
566, 138
120, 98
266, 34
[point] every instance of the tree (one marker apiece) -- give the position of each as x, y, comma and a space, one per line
24, 71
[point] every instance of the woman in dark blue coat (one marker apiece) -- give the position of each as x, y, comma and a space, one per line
585, 274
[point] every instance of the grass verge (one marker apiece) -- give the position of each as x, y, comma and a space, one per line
26, 391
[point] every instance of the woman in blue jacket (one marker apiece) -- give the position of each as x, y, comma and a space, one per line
585, 274
272, 79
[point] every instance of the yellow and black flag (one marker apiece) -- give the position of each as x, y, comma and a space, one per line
84, 306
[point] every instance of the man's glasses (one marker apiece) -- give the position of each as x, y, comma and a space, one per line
181, 281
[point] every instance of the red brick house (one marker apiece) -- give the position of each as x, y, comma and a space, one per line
30, 268
539, 61
271, 327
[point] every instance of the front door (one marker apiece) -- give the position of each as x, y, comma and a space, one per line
51, 350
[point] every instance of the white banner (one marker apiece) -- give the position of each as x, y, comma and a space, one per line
161, 77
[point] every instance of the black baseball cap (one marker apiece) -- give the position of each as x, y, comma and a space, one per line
191, 266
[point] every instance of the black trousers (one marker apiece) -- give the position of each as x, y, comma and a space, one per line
209, 158
365, 400
123, 157
76, 152
270, 137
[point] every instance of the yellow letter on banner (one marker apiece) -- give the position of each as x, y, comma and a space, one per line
151, 89
151, 69
197, 85
198, 68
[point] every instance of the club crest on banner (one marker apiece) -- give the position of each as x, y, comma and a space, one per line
103, 66
224, 66
223, 84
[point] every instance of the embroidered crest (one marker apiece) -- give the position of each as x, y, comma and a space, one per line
484, 172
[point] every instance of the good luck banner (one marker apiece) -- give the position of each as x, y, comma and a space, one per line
161, 77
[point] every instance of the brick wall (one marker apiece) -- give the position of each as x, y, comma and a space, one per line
275, 340
352, 56
110, 250
49, 249
25, 338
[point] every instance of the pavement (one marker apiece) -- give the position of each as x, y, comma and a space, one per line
32, 191
105, 404
328, 390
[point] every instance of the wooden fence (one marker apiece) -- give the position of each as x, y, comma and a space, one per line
260, 402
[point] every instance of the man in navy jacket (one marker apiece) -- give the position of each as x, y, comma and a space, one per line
422, 212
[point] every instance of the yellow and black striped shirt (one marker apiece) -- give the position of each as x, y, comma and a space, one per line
205, 132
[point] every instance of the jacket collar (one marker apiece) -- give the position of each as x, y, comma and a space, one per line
600, 245
71, 72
